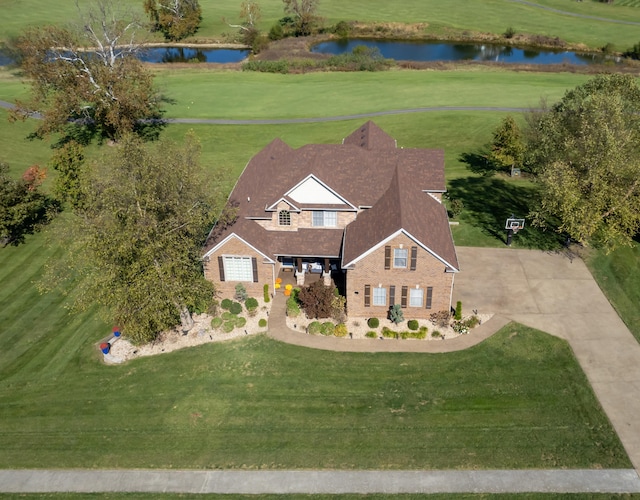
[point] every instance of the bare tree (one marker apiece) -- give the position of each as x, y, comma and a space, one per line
304, 13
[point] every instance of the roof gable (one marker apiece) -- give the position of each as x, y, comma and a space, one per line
311, 191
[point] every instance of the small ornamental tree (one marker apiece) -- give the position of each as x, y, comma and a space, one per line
395, 314
317, 300
175, 19
507, 147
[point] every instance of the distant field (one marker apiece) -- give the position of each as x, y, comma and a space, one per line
493, 16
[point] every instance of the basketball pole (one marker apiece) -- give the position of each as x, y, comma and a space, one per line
509, 236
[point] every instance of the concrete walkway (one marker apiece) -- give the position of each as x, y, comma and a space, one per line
327, 482
547, 291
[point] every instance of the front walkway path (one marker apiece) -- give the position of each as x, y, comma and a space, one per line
543, 290
327, 482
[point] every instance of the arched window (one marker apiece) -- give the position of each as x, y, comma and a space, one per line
284, 218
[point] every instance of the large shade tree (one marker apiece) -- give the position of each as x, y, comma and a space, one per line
584, 151
138, 236
86, 76
175, 19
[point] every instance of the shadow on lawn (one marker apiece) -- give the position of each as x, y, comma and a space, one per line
489, 201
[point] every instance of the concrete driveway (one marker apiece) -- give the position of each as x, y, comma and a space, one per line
550, 292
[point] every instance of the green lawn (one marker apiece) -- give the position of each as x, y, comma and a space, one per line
519, 400
458, 16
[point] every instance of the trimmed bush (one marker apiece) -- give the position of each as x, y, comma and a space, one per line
265, 291
262, 323
226, 304
240, 322
472, 322
458, 315
412, 324
236, 308
216, 323
227, 316
435, 334
388, 333
341, 330
371, 335
252, 305
314, 327
228, 326
373, 322
327, 328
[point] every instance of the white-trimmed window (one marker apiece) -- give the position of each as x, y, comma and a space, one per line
324, 219
400, 257
379, 296
238, 268
284, 218
415, 297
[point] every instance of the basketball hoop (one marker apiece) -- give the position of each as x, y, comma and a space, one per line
512, 226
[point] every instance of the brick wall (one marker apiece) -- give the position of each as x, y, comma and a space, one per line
226, 289
429, 272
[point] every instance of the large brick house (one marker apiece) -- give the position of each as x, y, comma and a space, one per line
366, 214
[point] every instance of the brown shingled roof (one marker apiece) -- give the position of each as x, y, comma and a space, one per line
360, 170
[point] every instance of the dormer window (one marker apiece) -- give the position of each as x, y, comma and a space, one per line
284, 218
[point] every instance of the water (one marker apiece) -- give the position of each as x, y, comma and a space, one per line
191, 54
176, 54
455, 51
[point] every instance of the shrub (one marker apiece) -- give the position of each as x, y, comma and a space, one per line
371, 335
265, 291
373, 322
327, 328
421, 333
440, 318
633, 52
340, 330
236, 308
435, 334
252, 305
280, 66
212, 310
338, 306
276, 32
458, 315
228, 326
226, 304
314, 327
241, 293
509, 33
412, 324
460, 327
317, 300
262, 323
293, 309
216, 322
240, 322
388, 333
455, 207
395, 314
226, 316
472, 322
342, 29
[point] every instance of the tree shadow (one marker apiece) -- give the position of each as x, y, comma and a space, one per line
489, 201
479, 163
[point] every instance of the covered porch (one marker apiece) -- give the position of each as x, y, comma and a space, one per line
303, 271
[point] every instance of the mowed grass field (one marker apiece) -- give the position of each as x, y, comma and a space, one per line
518, 400
558, 19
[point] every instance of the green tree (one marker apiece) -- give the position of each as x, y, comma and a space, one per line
139, 237
584, 150
23, 208
87, 76
175, 19
507, 146
68, 161
304, 14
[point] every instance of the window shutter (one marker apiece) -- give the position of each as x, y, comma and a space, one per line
429, 296
392, 295
254, 265
367, 295
387, 257
221, 267
403, 302
414, 257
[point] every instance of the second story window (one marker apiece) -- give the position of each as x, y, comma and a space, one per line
324, 219
284, 218
399, 257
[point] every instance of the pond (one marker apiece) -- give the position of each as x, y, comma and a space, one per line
176, 54
455, 51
